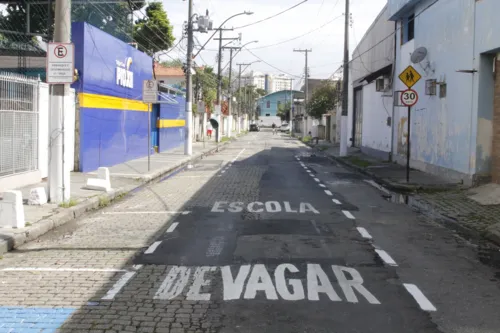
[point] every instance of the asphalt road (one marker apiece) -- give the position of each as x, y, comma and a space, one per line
265, 236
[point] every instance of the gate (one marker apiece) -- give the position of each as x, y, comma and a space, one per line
18, 124
357, 128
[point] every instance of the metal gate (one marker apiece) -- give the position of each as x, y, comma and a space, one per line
18, 124
357, 129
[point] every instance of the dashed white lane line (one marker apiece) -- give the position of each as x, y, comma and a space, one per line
153, 247
309, 171
146, 212
328, 192
322, 185
364, 233
348, 214
335, 201
386, 257
422, 301
316, 179
172, 227
311, 175
241, 152
118, 286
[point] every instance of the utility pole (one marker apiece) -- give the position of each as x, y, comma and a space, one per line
188, 142
230, 95
345, 92
219, 60
291, 107
306, 51
59, 180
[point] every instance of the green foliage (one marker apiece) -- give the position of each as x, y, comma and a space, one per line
205, 82
260, 92
153, 33
323, 100
284, 111
173, 63
306, 139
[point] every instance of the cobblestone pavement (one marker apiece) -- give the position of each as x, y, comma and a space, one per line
261, 237
467, 212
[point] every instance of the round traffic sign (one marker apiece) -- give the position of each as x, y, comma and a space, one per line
409, 97
60, 51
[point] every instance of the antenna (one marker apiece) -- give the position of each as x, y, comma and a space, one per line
418, 55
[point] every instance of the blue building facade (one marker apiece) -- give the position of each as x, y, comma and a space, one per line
113, 120
270, 103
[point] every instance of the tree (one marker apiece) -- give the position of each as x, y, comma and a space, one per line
322, 100
284, 111
205, 82
153, 33
173, 63
261, 92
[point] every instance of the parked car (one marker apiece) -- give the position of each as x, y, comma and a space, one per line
284, 128
254, 128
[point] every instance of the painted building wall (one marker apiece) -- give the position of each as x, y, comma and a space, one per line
274, 99
171, 123
113, 119
443, 130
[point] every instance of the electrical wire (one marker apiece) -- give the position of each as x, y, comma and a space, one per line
276, 68
272, 16
297, 37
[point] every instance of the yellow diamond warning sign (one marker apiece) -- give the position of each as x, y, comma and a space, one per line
409, 76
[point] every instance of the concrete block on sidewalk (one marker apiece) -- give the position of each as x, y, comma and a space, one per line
12, 210
38, 196
102, 182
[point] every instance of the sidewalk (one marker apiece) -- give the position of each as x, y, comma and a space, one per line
124, 178
471, 212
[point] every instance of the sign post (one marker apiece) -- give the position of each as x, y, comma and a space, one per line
409, 98
149, 95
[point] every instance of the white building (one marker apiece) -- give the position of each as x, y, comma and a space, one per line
270, 83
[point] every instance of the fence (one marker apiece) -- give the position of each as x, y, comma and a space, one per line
18, 124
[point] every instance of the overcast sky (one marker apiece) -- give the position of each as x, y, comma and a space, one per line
326, 42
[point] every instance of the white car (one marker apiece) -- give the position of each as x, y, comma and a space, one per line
284, 128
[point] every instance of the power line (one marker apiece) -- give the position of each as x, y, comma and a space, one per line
392, 33
272, 16
297, 37
276, 68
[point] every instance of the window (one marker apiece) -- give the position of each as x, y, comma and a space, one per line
430, 87
408, 29
442, 90
268, 104
268, 114
279, 102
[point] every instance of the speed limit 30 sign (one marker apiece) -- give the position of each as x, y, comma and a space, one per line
409, 97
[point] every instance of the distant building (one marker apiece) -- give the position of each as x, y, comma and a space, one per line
270, 83
268, 105
173, 76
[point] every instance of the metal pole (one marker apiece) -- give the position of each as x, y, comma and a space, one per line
291, 108
230, 95
219, 74
345, 89
188, 143
239, 99
59, 190
408, 147
149, 138
307, 81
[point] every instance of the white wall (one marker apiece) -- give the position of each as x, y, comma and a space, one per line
376, 108
43, 130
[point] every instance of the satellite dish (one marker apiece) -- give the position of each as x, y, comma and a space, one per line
418, 55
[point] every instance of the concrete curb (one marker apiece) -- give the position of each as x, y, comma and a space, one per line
43, 226
390, 185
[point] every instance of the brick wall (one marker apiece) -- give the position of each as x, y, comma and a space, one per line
495, 170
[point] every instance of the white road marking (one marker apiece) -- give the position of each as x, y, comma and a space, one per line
137, 267
386, 257
335, 201
118, 286
223, 171
377, 186
364, 233
311, 175
241, 152
172, 227
49, 269
259, 207
280, 283
348, 214
309, 171
422, 301
328, 192
146, 212
316, 179
322, 185
153, 247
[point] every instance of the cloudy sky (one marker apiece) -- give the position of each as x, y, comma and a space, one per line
320, 21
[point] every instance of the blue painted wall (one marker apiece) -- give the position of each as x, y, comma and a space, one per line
171, 137
113, 122
274, 99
